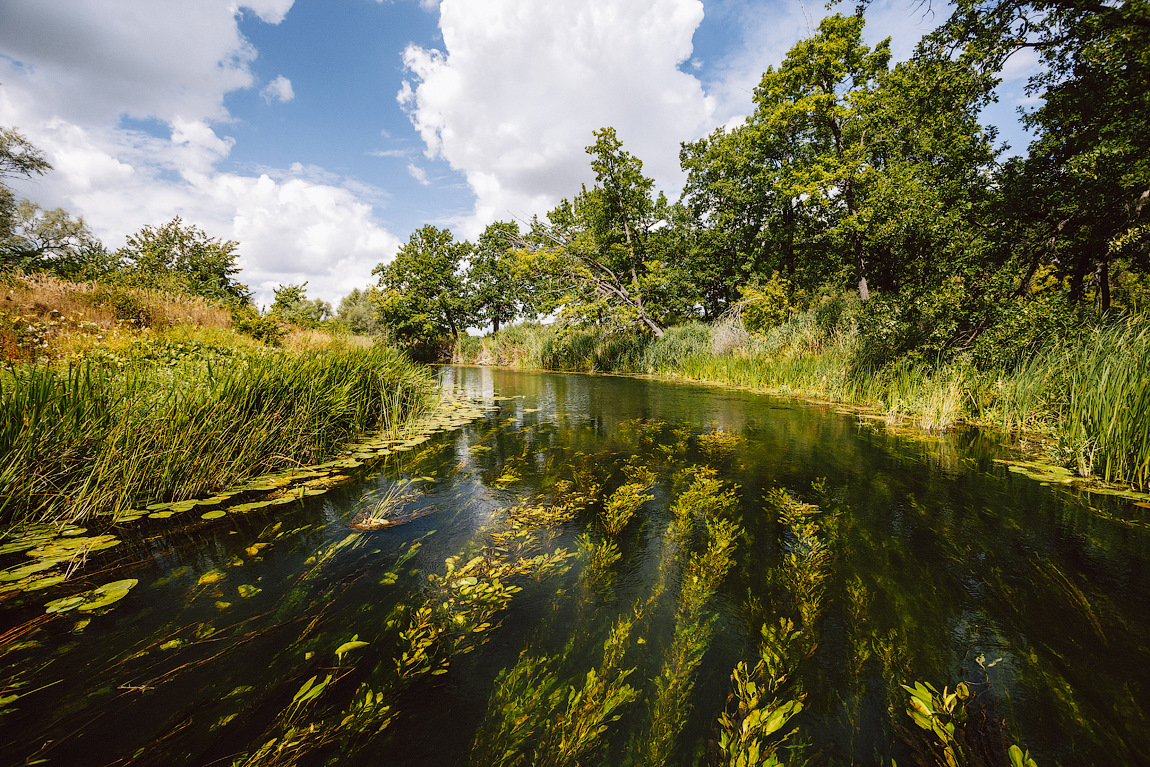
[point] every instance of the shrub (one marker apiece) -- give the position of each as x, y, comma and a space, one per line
261, 327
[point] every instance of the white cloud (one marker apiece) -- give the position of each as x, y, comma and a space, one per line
71, 69
279, 90
417, 173
513, 99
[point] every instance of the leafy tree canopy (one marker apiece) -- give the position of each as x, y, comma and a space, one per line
181, 256
420, 294
597, 255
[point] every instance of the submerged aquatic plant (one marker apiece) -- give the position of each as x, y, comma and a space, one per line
755, 722
694, 628
955, 737
535, 720
718, 445
458, 611
621, 506
806, 558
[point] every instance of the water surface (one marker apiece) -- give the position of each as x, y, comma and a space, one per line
941, 567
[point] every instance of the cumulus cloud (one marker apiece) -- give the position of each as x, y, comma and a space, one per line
71, 69
279, 90
512, 100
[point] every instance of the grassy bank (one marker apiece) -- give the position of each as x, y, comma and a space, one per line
100, 415
1088, 396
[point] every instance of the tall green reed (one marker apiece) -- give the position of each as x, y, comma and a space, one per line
90, 438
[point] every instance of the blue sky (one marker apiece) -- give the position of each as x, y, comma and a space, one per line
320, 133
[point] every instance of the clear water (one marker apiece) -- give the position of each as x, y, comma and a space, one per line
944, 567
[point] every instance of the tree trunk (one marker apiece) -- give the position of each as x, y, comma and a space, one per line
1102, 276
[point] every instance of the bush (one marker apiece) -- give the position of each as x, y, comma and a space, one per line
1026, 327
126, 305
261, 327
767, 304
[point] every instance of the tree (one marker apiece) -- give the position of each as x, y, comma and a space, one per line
1086, 181
598, 252
357, 310
18, 157
292, 305
181, 256
499, 293
815, 100
46, 240
420, 294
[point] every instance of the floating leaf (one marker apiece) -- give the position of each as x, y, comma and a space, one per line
109, 593
213, 514
19, 573
246, 591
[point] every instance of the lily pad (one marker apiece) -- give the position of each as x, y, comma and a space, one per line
109, 593
19, 573
213, 514
95, 599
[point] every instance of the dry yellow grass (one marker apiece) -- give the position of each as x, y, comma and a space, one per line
304, 339
43, 315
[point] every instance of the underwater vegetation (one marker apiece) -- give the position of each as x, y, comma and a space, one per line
523, 585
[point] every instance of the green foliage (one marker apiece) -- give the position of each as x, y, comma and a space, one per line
127, 305
499, 291
357, 310
262, 327
292, 305
421, 295
598, 258
767, 304
19, 157
176, 421
34, 239
182, 257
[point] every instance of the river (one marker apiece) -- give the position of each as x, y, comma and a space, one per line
872, 556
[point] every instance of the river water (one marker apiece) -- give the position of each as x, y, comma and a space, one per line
922, 560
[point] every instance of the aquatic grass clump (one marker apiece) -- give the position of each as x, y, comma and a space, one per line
89, 438
694, 629
806, 555
1107, 422
534, 719
754, 724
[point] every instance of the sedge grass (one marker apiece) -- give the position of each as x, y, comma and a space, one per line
92, 438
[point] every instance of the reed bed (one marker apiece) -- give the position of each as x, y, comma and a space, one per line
1088, 395
94, 436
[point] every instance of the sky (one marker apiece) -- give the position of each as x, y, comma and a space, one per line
319, 134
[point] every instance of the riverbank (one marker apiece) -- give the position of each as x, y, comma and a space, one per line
1082, 403
100, 414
